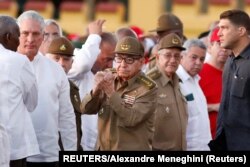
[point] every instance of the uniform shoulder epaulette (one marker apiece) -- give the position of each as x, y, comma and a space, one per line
154, 73
146, 81
113, 70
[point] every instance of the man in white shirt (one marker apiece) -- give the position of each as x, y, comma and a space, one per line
54, 111
4, 147
82, 76
83, 70
198, 130
18, 97
80, 73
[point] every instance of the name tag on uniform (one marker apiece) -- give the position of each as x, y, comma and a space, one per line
189, 97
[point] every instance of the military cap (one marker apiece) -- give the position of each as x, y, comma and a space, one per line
61, 45
168, 22
129, 45
170, 41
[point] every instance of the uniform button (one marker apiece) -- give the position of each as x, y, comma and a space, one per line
76, 99
167, 109
101, 111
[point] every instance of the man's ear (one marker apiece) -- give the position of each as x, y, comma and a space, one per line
242, 30
157, 56
8, 36
142, 60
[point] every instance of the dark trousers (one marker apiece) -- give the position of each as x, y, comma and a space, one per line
42, 164
219, 143
18, 163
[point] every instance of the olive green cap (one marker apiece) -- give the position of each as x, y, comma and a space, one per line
129, 45
170, 41
62, 46
168, 22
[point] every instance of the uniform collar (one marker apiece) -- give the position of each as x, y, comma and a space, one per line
166, 80
129, 83
37, 57
184, 76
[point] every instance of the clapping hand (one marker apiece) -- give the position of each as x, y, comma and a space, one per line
98, 80
104, 81
108, 83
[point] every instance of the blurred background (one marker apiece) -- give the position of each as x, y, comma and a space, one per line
74, 15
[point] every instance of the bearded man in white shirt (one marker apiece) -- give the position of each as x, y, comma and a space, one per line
198, 132
54, 111
18, 97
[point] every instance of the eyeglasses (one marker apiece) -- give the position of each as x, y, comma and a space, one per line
128, 60
169, 56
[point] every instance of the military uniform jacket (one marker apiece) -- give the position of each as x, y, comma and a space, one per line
76, 102
171, 113
126, 119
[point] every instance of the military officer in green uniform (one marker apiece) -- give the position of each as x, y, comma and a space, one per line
171, 111
125, 100
61, 50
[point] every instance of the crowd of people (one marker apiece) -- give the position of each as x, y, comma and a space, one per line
122, 90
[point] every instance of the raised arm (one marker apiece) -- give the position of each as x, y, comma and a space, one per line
85, 57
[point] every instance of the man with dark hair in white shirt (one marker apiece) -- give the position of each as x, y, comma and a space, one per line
18, 97
54, 111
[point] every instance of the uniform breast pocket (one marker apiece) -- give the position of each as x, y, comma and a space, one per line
238, 86
164, 108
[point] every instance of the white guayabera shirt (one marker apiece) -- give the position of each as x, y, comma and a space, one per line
198, 128
82, 76
54, 111
18, 98
4, 147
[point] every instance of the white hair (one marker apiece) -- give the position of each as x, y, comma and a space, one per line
53, 22
31, 14
192, 43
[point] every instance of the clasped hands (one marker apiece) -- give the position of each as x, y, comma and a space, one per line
104, 81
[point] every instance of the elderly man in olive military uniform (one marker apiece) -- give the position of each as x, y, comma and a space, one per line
125, 99
171, 111
167, 23
61, 50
